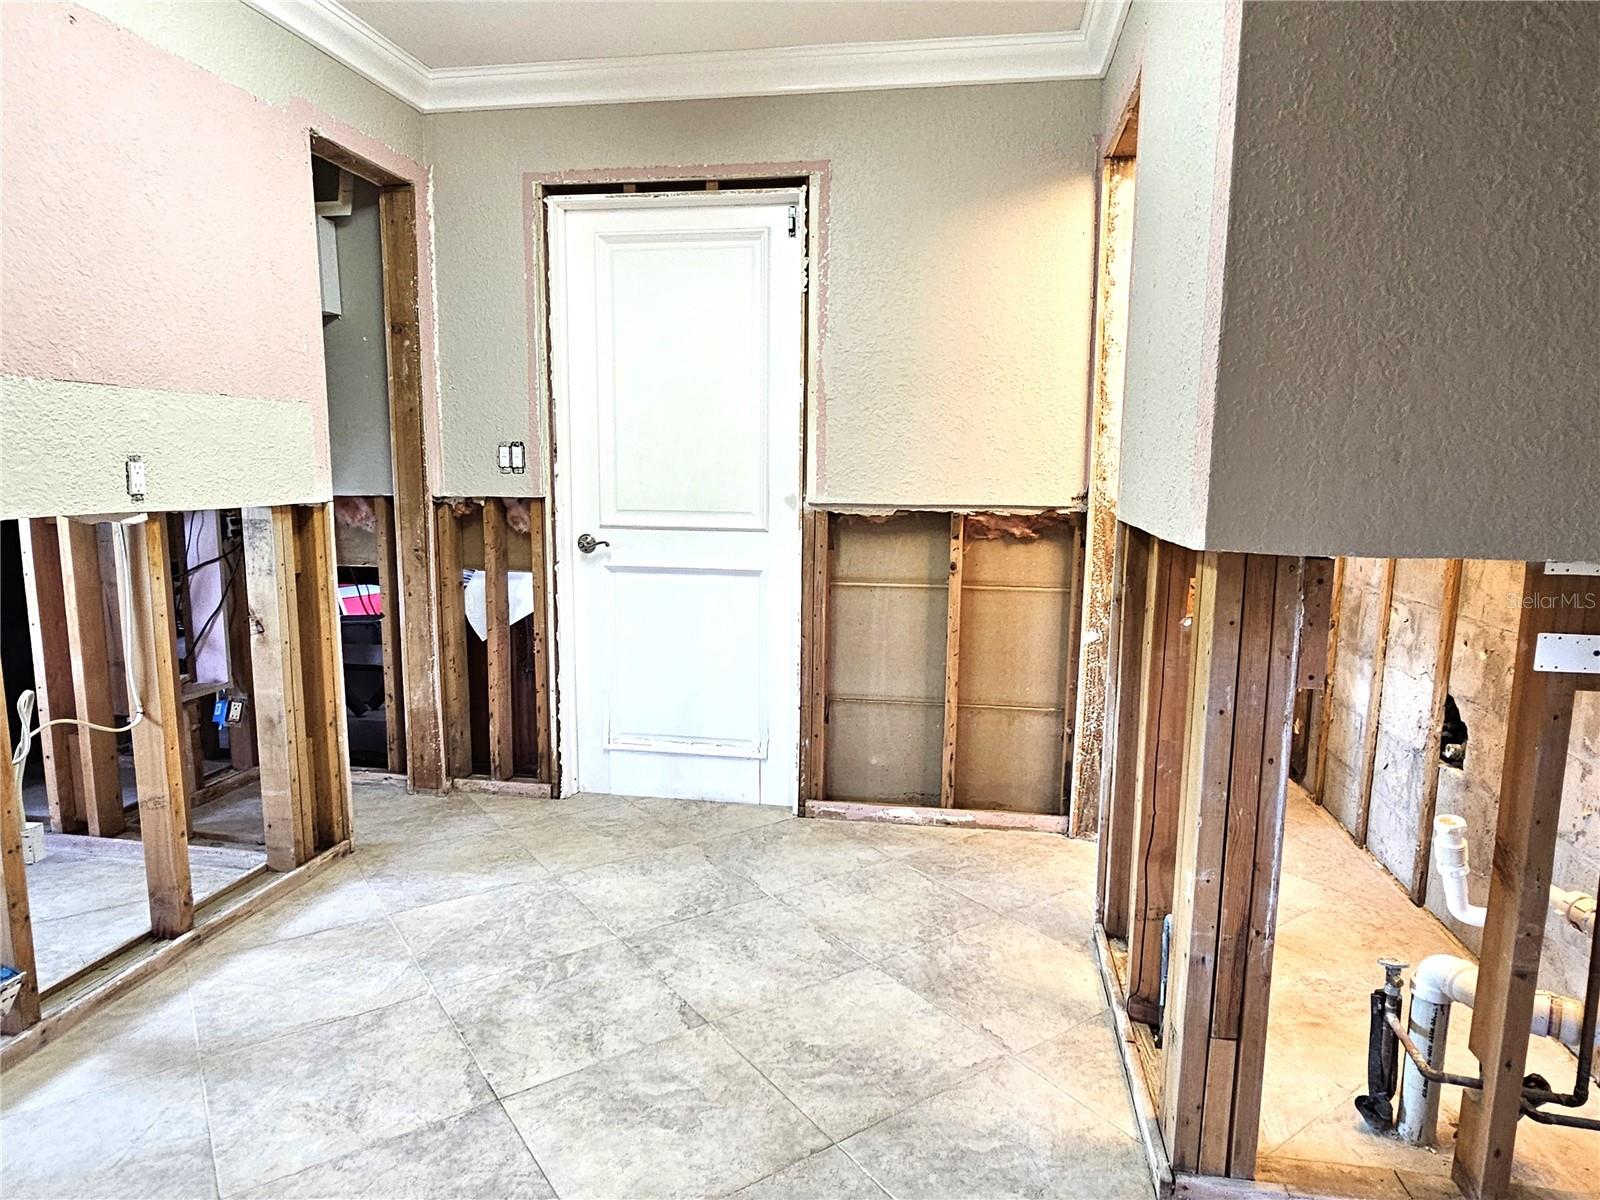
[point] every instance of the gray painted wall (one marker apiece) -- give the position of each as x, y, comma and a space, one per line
357, 365
1176, 54
958, 281
1411, 346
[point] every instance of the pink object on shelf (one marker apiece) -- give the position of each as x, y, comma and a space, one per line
360, 600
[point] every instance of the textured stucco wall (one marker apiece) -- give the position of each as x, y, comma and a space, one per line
1179, 56
1411, 342
958, 281
159, 241
238, 44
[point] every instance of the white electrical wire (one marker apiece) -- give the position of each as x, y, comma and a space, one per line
130, 652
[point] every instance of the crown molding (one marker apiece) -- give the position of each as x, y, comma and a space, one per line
943, 62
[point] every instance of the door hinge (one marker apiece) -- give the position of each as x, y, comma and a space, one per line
794, 219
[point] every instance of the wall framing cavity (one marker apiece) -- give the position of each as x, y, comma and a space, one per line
941, 667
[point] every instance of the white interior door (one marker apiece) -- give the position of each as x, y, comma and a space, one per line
676, 355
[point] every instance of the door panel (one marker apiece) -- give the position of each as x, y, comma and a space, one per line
676, 360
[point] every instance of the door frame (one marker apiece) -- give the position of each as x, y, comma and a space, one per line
405, 247
545, 217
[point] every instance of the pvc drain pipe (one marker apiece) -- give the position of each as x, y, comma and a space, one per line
1450, 858
1440, 981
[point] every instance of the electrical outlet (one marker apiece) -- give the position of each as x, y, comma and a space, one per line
136, 478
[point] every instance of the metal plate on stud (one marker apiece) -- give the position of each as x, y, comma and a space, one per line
1572, 568
1567, 653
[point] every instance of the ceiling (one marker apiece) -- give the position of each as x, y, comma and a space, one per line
450, 55
463, 33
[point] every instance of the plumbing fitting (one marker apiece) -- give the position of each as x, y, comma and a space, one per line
1450, 857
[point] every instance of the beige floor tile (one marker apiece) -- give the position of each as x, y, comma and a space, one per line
1012, 982
827, 1175
881, 909
793, 853
514, 812
539, 1022
148, 1032
476, 1156
137, 1139
250, 994
698, 820
1084, 1062
333, 1089
338, 897
742, 957
387, 816
458, 940
897, 841
1004, 1133
574, 843
685, 1117
1008, 870
639, 894
856, 1049
411, 875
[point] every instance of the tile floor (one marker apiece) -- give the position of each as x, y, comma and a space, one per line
610, 998
88, 895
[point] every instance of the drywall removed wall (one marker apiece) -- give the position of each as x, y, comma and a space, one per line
1409, 355
1479, 681
356, 360
957, 283
160, 296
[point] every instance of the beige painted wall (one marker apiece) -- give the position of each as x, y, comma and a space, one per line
239, 45
160, 290
1410, 352
1176, 54
958, 281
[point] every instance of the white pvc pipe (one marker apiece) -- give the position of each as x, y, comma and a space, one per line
1450, 857
1439, 981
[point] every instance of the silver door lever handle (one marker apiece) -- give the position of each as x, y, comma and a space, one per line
588, 544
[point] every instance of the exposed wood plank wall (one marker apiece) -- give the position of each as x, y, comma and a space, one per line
241, 737
394, 707
52, 671
1119, 808
158, 755
1325, 714
16, 934
817, 529
98, 777
1369, 737
1248, 622
1165, 666
452, 646
1524, 851
1449, 608
321, 677
543, 716
281, 736
425, 742
952, 662
497, 619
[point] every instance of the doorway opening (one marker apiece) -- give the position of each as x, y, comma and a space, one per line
678, 436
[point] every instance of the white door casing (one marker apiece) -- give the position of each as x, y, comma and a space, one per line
678, 380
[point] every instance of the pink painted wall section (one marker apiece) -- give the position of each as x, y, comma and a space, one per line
157, 222
158, 228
